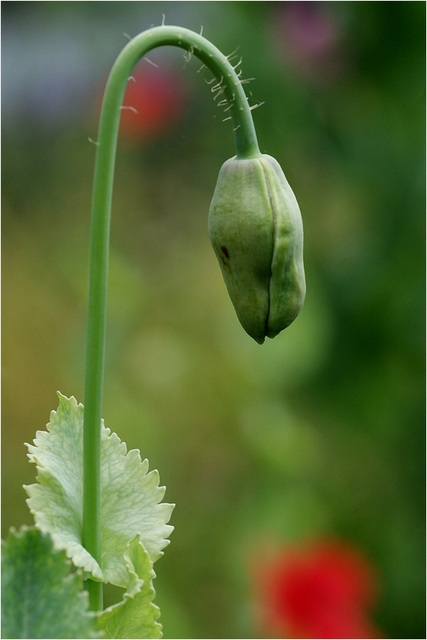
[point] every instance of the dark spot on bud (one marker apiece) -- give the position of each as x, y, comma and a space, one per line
225, 258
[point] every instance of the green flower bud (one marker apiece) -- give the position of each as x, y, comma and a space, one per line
255, 228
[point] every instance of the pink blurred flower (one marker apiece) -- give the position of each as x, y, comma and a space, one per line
310, 39
322, 590
156, 100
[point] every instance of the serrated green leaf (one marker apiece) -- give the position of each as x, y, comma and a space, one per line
130, 495
136, 616
40, 597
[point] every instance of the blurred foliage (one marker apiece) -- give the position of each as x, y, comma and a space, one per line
318, 432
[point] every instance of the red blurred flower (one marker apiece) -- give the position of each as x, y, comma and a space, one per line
153, 102
320, 591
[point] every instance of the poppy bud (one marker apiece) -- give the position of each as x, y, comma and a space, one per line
255, 228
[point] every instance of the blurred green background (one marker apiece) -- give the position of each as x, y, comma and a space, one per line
318, 433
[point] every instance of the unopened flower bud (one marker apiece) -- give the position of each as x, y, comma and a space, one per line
255, 228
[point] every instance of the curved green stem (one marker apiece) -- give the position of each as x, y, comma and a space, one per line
246, 147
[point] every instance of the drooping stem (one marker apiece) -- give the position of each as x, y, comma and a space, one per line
246, 147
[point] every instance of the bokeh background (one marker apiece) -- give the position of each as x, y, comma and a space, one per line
318, 435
